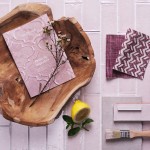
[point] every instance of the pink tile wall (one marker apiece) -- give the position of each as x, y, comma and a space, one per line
108, 26
19, 137
126, 13
91, 15
5, 138
4, 9
74, 10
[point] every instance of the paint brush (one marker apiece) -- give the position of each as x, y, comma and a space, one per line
125, 134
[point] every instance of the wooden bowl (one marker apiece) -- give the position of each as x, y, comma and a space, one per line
14, 98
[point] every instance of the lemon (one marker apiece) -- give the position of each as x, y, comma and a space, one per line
80, 111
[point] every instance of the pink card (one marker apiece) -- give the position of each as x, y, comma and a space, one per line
35, 63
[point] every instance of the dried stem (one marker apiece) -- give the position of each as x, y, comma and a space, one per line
57, 54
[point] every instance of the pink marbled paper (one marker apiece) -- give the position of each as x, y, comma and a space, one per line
34, 62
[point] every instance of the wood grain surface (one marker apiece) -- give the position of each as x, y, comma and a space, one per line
14, 98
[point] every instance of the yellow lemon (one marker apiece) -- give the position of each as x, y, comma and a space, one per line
80, 111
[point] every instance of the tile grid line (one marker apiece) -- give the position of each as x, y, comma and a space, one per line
82, 89
47, 137
73, 3
65, 139
136, 82
28, 138
100, 67
10, 127
10, 133
117, 16
47, 125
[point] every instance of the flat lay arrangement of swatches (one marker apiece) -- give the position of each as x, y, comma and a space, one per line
127, 56
76, 82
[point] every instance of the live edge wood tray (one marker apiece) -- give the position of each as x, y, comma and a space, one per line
14, 98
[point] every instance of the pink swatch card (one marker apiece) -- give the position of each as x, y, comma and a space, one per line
35, 63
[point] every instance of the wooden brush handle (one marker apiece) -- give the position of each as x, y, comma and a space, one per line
134, 134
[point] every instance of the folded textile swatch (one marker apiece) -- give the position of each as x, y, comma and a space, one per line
134, 55
113, 46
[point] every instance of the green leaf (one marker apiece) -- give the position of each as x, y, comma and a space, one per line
87, 121
68, 119
73, 131
67, 126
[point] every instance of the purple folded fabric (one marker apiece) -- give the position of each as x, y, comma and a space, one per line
134, 55
113, 46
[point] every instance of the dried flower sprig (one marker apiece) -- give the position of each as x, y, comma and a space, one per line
57, 52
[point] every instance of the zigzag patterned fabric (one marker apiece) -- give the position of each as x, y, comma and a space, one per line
134, 55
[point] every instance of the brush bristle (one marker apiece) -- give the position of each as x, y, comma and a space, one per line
117, 134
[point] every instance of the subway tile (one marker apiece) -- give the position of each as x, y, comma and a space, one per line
37, 1
91, 15
126, 18
108, 87
57, 7
15, 3
56, 134
38, 138
127, 86
3, 121
108, 26
78, 139
4, 138
146, 143
74, 10
94, 85
143, 1
5, 1
73, 1
92, 138
127, 95
143, 86
142, 18
4, 9
19, 137
95, 42
108, 1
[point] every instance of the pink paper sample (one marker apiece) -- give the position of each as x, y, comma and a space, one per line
35, 63
113, 46
108, 123
134, 55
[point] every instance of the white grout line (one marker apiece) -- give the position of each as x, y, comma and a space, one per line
81, 4
135, 10
3, 3
106, 2
73, 3
82, 96
28, 138
100, 75
47, 137
5, 126
93, 31
117, 11
138, 2
10, 133
64, 8
135, 14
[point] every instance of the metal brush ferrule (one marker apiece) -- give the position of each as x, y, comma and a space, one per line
124, 133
